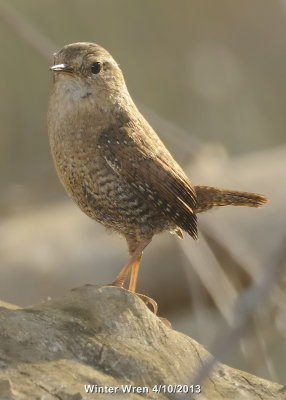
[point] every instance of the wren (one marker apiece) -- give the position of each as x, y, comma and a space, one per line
112, 163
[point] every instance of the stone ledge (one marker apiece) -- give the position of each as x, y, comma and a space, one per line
106, 336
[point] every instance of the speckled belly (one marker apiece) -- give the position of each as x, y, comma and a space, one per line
109, 199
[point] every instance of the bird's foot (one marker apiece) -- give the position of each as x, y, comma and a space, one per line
147, 300
143, 297
166, 322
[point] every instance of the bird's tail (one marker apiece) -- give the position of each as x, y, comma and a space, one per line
209, 197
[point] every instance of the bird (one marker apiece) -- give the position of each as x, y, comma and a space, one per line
114, 165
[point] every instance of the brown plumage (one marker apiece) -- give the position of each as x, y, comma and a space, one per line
113, 164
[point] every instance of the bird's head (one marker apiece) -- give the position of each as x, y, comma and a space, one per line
87, 68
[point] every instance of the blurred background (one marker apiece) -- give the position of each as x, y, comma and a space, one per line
210, 78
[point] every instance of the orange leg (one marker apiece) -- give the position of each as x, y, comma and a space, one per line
133, 265
132, 285
120, 279
134, 274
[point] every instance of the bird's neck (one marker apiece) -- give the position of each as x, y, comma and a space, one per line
79, 108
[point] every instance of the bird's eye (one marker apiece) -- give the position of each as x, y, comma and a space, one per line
95, 67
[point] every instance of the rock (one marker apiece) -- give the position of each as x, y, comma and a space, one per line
106, 339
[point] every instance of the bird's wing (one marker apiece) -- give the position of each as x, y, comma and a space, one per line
146, 164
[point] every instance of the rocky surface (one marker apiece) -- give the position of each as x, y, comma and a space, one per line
107, 337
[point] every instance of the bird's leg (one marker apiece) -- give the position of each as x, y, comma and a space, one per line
132, 285
134, 259
133, 265
134, 274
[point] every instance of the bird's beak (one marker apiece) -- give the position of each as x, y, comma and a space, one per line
65, 68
